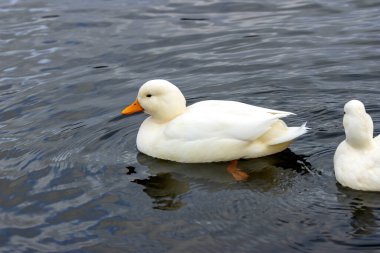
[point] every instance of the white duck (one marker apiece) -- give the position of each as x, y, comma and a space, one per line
207, 131
357, 159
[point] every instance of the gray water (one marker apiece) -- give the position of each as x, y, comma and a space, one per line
71, 179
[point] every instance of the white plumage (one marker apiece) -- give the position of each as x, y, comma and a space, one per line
357, 158
207, 131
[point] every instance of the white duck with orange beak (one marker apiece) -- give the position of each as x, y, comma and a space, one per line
207, 131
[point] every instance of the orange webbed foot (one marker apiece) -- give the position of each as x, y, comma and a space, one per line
236, 172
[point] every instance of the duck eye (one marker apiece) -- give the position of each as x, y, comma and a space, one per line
149, 95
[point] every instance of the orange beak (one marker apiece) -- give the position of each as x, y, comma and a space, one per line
134, 107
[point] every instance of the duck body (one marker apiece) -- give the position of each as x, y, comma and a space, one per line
211, 130
357, 159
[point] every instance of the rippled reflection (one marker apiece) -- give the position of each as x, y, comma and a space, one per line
169, 180
363, 206
363, 221
164, 190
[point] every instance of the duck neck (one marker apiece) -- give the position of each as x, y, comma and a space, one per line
359, 131
165, 117
361, 144
359, 139
169, 110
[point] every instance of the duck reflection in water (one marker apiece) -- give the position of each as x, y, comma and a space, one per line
165, 190
363, 220
168, 181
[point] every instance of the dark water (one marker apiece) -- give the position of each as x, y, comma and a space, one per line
71, 179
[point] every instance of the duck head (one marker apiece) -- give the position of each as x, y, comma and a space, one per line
160, 99
358, 125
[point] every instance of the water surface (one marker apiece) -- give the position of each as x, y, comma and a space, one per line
71, 179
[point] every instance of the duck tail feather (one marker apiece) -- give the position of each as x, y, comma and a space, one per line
293, 132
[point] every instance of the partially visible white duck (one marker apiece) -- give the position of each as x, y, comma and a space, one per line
207, 131
357, 159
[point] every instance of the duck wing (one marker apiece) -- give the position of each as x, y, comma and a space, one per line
222, 120
235, 107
